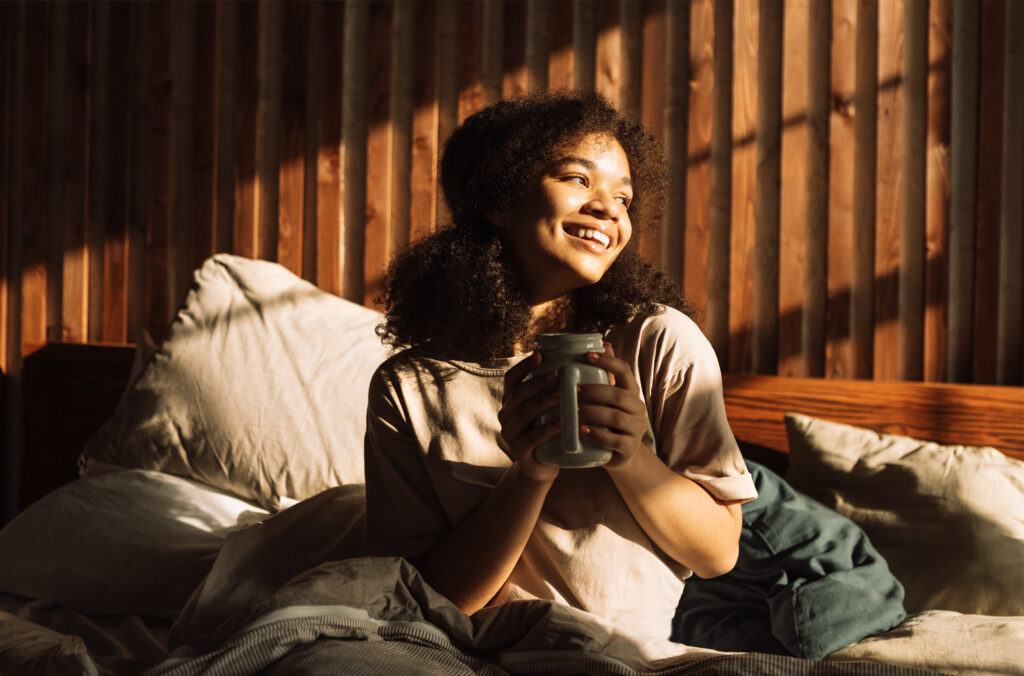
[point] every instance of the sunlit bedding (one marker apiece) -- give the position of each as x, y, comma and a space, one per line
218, 528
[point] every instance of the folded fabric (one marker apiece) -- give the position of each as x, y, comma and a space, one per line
807, 582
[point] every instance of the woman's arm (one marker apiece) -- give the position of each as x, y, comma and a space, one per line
684, 520
470, 563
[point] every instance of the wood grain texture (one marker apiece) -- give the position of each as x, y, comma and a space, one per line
291, 169
986, 217
765, 317
377, 172
841, 216
937, 235
720, 219
744, 185
700, 114
270, 52
652, 103
962, 198
814, 319
354, 133
1010, 349
794, 179
945, 413
329, 171
913, 217
677, 90
864, 202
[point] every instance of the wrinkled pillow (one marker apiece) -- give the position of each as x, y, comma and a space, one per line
131, 541
948, 519
807, 582
259, 390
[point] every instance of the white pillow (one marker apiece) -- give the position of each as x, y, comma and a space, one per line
132, 541
259, 390
948, 519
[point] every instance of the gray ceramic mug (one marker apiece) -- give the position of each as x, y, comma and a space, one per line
567, 353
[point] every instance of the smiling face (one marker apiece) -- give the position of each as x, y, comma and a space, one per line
571, 223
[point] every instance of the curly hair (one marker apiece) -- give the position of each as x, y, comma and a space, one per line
455, 289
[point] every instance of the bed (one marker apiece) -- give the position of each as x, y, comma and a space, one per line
197, 507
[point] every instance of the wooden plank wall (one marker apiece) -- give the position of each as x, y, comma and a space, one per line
847, 175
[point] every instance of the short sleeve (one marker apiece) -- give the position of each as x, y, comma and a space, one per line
403, 513
679, 375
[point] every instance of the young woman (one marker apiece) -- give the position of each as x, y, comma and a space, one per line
545, 193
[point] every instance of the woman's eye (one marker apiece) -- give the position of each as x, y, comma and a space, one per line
582, 180
625, 201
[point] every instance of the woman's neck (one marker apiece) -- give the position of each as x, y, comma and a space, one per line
553, 316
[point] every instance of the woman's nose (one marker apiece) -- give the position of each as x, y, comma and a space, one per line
603, 205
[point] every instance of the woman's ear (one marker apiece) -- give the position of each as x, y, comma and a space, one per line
498, 218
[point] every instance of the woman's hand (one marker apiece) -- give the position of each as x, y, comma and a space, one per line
616, 407
521, 403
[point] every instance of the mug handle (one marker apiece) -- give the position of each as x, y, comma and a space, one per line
568, 379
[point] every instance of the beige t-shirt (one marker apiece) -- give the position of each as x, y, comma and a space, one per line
433, 453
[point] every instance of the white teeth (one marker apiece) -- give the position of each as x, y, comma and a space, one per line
603, 239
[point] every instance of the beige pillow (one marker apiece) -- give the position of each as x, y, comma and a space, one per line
132, 541
949, 519
259, 390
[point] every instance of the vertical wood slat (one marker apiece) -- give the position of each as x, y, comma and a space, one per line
963, 177
652, 103
744, 183
181, 239
843, 155
765, 324
137, 299
677, 86
268, 127
161, 173
865, 132
402, 68
513, 82
889, 193
793, 198
816, 243
14, 174
100, 161
56, 157
986, 217
537, 48
9, 81
720, 216
354, 141
447, 87
75, 264
608, 48
491, 62
293, 146
584, 44
631, 59
423, 172
470, 18
561, 55
245, 237
938, 190
111, 205
1010, 348
202, 174
379, 186
329, 203
311, 170
224, 137
698, 166
912, 200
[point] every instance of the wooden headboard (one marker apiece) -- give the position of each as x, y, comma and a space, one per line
978, 415
70, 390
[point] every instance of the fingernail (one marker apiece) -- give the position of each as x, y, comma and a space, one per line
592, 356
585, 430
